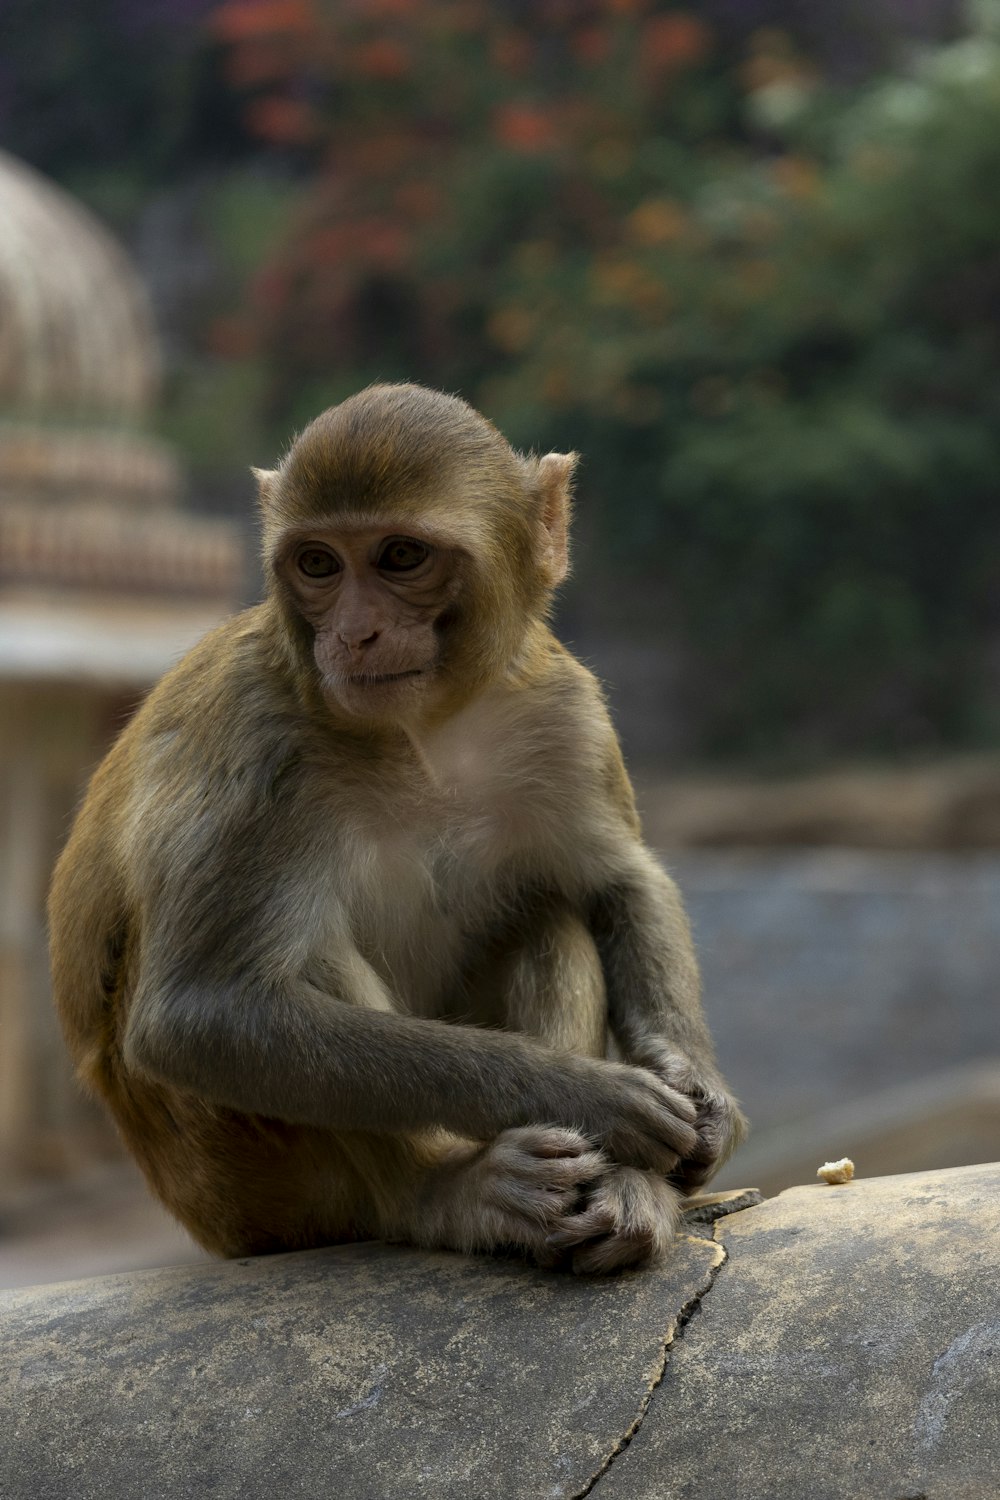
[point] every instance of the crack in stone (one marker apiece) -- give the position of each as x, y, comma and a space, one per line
673, 1333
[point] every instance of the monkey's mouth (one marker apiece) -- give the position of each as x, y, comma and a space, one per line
381, 679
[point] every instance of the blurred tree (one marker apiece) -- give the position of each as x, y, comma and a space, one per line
759, 306
123, 85
759, 301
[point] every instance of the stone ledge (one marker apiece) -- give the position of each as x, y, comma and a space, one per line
831, 1342
954, 804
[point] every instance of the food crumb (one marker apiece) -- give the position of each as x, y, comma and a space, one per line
836, 1171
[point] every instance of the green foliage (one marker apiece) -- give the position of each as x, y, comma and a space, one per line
809, 433
765, 311
212, 415
247, 216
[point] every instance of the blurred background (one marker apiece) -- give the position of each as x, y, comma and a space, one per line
744, 256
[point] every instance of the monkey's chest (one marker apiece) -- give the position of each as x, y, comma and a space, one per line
482, 809
425, 889
413, 902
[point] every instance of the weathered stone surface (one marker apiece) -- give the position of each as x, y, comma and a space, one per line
708, 1208
364, 1372
847, 1349
850, 1347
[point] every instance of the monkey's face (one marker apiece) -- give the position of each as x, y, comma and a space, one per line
375, 596
412, 551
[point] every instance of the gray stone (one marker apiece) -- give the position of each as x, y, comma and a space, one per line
830, 1344
366, 1371
850, 1347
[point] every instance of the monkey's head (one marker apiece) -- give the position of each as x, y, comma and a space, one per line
410, 550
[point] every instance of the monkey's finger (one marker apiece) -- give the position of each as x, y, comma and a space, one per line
550, 1259
595, 1221
682, 1106
548, 1140
673, 1137
616, 1252
524, 1204
560, 1171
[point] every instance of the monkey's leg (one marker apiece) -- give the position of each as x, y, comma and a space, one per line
512, 1194
549, 984
544, 978
543, 1191
539, 1189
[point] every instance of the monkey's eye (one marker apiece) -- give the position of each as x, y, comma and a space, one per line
317, 562
401, 554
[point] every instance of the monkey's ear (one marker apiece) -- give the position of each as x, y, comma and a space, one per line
552, 481
267, 481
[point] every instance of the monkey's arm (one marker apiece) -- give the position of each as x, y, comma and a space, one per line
654, 1003
291, 1051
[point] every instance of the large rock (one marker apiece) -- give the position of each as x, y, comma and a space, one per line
832, 1342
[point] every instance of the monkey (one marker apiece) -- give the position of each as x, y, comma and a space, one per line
355, 933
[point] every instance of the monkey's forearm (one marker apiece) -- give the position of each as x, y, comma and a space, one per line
654, 1005
307, 1059
650, 970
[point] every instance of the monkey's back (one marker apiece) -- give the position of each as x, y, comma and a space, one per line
216, 714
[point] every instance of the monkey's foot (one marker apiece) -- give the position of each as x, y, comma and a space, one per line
629, 1220
524, 1188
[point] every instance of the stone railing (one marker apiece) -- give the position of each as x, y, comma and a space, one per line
830, 1342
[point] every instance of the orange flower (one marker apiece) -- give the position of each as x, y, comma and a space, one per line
286, 122
372, 242
231, 338
419, 199
524, 127
331, 245
592, 44
616, 281
674, 41
382, 243
384, 59
512, 52
796, 176
379, 155
239, 20
657, 221
258, 61
557, 386
389, 9
270, 289
511, 328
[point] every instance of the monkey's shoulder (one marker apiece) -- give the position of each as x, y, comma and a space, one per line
210, 748
533, 767
227, 703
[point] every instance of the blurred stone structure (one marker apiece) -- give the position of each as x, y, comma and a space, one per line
104, 582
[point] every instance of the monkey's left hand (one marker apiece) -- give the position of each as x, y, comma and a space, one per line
720, 1124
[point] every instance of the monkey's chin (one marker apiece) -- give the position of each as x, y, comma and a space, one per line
385, 695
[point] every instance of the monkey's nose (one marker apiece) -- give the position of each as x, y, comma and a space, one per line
355, 641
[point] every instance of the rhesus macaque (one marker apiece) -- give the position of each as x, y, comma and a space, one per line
356, 903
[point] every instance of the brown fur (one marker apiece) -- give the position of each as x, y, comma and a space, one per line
355, 904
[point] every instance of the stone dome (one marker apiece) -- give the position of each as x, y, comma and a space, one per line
76, 335
89, 509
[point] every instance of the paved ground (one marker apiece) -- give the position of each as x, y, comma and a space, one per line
834, 974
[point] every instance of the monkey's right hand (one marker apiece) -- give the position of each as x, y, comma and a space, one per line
637, 1119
